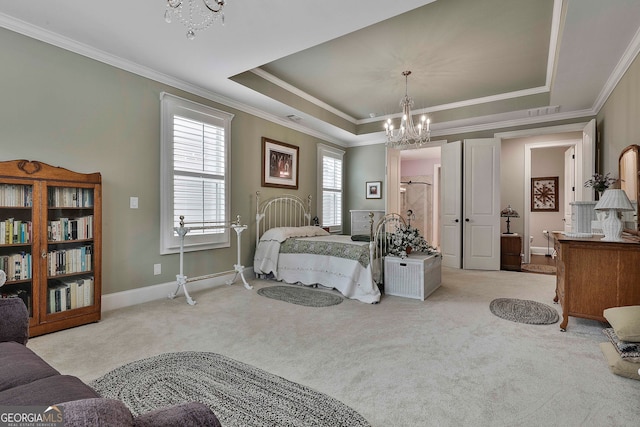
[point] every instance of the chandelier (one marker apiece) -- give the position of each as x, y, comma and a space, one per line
196, 15
407, 135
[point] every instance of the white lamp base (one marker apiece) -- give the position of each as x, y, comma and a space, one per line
612, 227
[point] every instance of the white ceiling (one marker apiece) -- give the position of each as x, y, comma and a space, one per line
475, 64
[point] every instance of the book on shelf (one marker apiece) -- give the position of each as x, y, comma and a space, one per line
17, 266
16, 195
13, 231
70, 294
70, 197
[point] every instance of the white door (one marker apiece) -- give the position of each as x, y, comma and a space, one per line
451, 204
392, 199
481, 229
569, 185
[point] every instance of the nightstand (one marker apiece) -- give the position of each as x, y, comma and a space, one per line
511, 252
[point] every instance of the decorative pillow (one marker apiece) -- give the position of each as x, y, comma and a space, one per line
617, 365
625, 321
629, 351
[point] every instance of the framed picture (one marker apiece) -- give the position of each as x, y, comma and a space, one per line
544, 194
279, 164
374, 190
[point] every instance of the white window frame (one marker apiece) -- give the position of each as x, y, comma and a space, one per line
328, 151
172, 105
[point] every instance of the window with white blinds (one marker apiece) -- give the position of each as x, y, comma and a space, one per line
195, 155
330, 168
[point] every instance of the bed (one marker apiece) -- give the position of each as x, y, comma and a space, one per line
290, 249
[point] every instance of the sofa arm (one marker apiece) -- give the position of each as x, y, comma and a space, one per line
14, 320
96, 412
184, 415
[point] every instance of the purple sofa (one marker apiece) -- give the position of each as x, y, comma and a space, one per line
26, 380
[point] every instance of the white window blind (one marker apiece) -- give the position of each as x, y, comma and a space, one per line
195, 179
330, 167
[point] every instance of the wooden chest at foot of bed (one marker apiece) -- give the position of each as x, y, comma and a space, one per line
416, 276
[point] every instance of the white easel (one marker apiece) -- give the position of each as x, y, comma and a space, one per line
182, 279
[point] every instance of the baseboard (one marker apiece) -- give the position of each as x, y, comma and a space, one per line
162, 290
540, 250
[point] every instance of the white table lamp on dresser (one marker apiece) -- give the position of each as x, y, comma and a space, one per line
613, 201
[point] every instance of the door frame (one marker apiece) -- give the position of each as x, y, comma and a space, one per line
580, 163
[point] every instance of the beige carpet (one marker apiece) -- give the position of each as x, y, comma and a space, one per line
446, 361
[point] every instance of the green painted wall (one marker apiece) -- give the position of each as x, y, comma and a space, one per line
71, 111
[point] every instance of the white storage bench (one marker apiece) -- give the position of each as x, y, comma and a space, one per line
416, 276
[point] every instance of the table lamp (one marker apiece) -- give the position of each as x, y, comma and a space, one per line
509, 213
613, 201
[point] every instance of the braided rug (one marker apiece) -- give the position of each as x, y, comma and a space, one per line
524, 311
239, 394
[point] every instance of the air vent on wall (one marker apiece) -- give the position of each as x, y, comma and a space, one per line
542, 111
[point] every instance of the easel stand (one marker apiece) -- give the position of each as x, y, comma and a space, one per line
182, 279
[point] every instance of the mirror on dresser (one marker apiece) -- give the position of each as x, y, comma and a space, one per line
629, 169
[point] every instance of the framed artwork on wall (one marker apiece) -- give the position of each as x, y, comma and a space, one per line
279, 164
374, 190
544, 194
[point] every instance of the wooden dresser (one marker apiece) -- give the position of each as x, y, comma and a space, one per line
593, 275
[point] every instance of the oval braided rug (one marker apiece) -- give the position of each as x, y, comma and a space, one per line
524, 311
239, 394
300, 295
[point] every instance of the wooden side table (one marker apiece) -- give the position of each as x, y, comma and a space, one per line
510, 252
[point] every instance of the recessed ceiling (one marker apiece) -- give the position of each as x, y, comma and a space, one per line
475, 64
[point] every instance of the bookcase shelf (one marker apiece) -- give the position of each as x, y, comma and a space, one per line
51, 243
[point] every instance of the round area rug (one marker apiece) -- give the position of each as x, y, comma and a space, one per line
539, 268
239, 394
301, 296
524, 311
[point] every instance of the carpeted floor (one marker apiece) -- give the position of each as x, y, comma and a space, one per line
445, 361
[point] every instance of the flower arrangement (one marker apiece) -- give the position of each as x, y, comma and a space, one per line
407, 239
600, 182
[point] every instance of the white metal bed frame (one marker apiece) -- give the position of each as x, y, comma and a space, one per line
291, 211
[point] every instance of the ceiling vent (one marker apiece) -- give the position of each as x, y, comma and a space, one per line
543, 111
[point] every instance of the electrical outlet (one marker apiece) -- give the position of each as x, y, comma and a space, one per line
157, 269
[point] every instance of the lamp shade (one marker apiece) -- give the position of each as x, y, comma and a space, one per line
509, 212
614, 199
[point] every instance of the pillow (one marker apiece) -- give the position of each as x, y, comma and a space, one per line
625, 321
617, 365
629, 351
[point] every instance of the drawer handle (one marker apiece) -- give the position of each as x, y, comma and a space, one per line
403, 264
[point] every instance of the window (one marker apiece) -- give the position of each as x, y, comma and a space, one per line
330, 187
194, 175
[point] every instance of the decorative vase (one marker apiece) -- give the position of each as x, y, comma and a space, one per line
408, 250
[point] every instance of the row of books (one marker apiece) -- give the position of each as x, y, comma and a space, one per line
70, 294
18, 293
16, 266
16, 195
15, 231
67, 261
70, 229
68, 197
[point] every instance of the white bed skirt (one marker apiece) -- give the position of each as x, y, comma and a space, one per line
350, 278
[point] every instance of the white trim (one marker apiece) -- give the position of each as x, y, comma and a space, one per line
302, 94
161, 291
172, 105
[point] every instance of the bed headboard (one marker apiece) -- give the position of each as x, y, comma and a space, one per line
285, 210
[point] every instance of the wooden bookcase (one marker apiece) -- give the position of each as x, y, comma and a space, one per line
51, 243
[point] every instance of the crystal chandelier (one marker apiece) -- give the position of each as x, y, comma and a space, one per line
196, 15
408, 135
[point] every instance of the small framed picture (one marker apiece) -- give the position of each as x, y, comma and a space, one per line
374, 190
279, 164
544, 194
